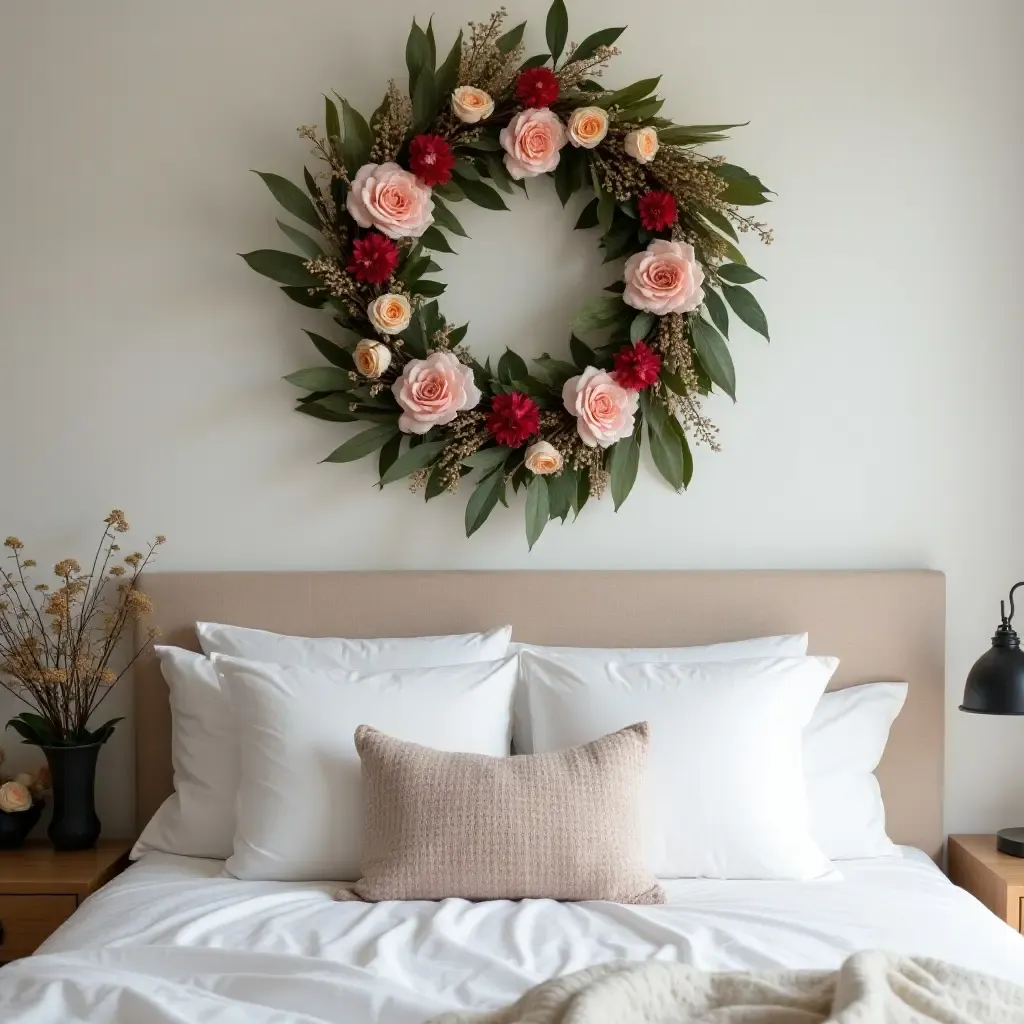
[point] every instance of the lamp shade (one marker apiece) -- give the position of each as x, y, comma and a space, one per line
995, 686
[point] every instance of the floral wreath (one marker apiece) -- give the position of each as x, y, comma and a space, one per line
477, 125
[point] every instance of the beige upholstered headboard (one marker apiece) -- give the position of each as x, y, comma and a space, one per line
883, 625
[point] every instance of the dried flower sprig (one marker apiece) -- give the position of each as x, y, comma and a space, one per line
56, 644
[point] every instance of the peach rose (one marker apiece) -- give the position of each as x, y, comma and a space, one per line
14, 797
543, 458
433, 390
641, 145
371, 357
665, 278
604, 410
588, 126
390, 313
393, 200
470, 105
532, 140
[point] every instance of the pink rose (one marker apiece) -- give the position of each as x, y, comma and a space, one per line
386, 197
604, 410
531, 142
433, 390
665, 278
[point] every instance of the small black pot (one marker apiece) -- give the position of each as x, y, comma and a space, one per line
16, 825
74, 825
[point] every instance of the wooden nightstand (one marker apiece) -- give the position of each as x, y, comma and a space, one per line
993, 877
41, 888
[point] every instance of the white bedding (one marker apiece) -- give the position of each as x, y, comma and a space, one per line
172, 940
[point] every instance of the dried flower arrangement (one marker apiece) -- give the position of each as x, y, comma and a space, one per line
481, 123
57, 643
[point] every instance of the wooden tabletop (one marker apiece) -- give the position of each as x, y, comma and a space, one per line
38, 868
983, 848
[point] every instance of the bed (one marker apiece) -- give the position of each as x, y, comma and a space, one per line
173, 939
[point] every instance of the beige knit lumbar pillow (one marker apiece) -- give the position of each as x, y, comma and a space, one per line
563, 826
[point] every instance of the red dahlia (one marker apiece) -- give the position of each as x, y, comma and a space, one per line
514, 419
657, 210
431, 159
537, 87
637, 366
374, 258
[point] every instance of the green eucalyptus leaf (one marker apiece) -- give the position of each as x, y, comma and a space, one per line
605, 37
677, 429
599, 312
666, 450
714, 356
482, 194
588, 218
719, 220
331, 119
363, 443
431, 44
556, 28
497, 173
320, 378
737, 273
487, 459
561, 492
447, 219
641, 326
450, 191
417, 54
414, 459
318, 411
538, 509
428, 289
285, 267
538, 60
555, 372
717, 310
511, 39
433, 239
358, 140
747, 308
623, 462
582, 493
482, 501
582, 354
447, 77
628, 95
424, 101
310, 249
457, 334
292, 198
303, 297
512, 368
464, 170
332, 352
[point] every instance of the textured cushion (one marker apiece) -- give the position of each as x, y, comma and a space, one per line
564, 826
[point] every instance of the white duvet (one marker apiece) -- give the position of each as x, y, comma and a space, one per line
171, 940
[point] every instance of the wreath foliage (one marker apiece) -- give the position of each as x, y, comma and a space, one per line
642, 353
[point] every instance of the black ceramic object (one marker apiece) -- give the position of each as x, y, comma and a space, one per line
74, 825
15, 826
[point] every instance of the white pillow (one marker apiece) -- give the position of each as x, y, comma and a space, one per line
727, 792
792, 645
358, 655
198, 819
842, 747
299, 814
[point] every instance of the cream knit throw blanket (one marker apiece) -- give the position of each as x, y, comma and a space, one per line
869, 988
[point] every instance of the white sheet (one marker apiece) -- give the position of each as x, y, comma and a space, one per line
171, 940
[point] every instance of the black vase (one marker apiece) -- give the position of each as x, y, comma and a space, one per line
74, 825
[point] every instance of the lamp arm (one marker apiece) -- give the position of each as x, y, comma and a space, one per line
1002, 608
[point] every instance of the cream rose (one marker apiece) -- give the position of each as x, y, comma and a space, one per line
642, 145
371, 357
532, 140
588, 126
14, 797
604, 410
433, 391
665, 278
390, 199
470, 104
543, 458
390, 313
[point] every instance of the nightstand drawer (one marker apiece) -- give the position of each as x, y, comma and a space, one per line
28, 920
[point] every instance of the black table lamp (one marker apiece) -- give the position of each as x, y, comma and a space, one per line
995, 686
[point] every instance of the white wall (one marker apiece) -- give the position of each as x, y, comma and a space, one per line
882, 427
